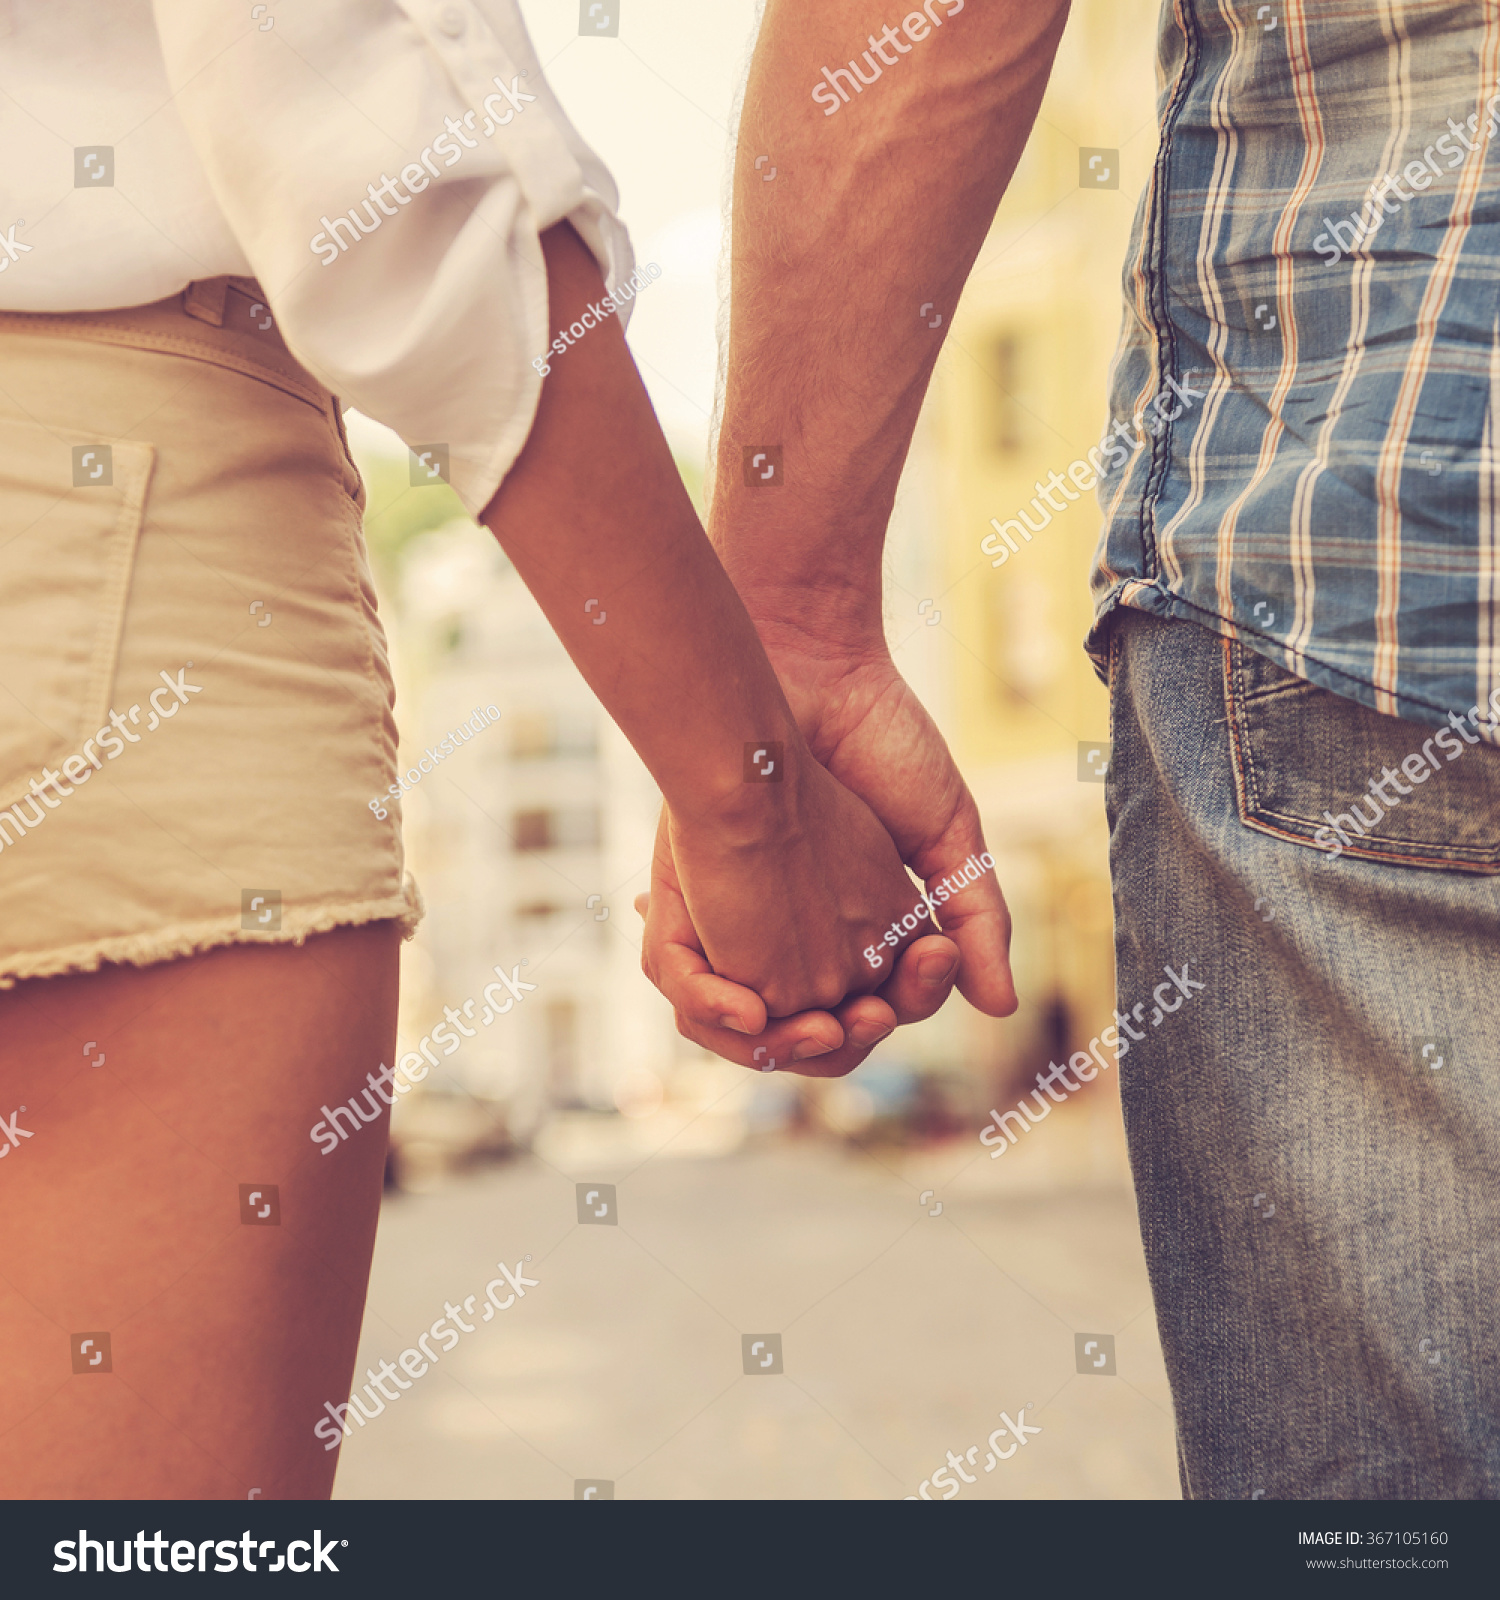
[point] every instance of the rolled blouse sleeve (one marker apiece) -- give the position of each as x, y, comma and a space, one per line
387, 168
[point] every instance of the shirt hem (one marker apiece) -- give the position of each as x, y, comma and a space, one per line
1142, 594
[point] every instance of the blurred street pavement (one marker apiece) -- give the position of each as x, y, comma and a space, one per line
904, 1335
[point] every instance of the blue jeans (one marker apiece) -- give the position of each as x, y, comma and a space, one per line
1315, 1134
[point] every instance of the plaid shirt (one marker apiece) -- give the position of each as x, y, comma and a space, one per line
1303, 454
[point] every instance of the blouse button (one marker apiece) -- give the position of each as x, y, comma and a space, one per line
451, 20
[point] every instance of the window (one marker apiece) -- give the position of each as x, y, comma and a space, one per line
1007, 416
562, 1053
530, 735
568, 828
536, 910
533, 830
538, 734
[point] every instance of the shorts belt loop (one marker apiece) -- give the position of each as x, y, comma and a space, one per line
204, 299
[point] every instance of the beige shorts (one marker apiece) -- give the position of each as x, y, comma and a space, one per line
195, 697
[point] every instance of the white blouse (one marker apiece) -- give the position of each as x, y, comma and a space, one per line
382, 167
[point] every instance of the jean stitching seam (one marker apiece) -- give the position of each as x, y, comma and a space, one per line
1242, 759
1388, 857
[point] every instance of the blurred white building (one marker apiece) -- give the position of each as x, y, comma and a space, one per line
530, 842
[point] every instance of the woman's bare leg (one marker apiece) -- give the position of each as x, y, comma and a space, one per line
121, 1213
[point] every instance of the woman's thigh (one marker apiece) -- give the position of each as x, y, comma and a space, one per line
160, 1196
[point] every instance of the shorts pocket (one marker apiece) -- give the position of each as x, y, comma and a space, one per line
1318, 769
72, 518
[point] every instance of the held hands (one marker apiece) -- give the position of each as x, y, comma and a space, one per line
771, 907
767, 906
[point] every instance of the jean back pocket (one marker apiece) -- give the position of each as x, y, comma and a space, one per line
1319, 769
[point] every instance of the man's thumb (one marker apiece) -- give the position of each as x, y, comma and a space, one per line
960, 878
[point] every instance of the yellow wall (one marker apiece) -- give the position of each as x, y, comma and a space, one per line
1047, 284
1020, 694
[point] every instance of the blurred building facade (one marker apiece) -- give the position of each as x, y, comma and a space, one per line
529, 843
1020, 394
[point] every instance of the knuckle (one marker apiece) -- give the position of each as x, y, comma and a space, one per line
826, 993
779, 996
778, 1001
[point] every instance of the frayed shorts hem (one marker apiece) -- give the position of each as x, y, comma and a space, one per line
193, 938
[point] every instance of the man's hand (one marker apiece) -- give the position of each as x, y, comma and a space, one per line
864, 723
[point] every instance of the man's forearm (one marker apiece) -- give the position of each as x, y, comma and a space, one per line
597, 521
882, 198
